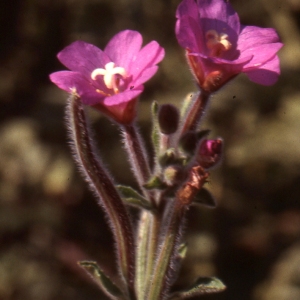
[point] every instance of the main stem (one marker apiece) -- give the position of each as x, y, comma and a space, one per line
168, 248
149, 224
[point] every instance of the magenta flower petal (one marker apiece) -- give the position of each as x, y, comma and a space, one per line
123, 97
261, 54
68, 80
219, 48
256, 36
189, 34
267, 74
215, 14
149, 56
83, 57
73, 81
187, 8
124, 47
145, 75
109, 80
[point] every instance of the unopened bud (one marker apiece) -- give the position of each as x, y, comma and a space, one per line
168, 118
210, 153
168, 158
173, 175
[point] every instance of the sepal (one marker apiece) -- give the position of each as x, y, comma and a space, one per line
203, 285
101, 279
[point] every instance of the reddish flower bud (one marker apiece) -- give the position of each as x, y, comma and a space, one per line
210, 153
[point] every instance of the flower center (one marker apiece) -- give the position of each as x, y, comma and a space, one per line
217, 43
111, 76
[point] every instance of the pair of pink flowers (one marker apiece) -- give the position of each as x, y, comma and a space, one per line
218, 48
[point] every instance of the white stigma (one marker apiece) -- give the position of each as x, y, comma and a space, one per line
109, 75
216, 42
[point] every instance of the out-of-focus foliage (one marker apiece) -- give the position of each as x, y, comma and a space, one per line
49, 219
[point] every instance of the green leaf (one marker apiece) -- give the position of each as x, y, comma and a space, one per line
204, 197
154, 183
203, 285
155, 127
133, 198
103, 281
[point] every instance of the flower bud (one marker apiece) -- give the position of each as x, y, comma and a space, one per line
210, 153
173, 175
168, 118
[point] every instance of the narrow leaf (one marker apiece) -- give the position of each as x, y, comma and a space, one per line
102, 280
203, 285
154, 183
138, 203
204, 197
132, 197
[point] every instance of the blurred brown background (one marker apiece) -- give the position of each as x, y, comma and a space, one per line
49, 219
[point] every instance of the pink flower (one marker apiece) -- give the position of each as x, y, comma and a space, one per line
219, 47
109, 80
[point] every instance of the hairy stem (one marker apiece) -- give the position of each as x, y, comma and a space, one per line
138, 157
168, 249
194, 113
102, 184
148, 226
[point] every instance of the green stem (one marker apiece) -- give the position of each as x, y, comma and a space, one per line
138, 157
142, 253
148, 226
167, 250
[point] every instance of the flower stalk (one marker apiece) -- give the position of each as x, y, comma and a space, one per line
194, 113
102, 185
